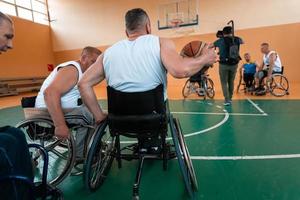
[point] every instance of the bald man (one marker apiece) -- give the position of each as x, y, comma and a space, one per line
6, 33
13, 145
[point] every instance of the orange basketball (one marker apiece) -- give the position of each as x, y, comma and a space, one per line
193, 49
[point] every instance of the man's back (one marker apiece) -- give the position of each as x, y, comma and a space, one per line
223, 44
135, 66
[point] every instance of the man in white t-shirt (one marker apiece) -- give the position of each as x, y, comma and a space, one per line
139, 63
59, 97
271, 64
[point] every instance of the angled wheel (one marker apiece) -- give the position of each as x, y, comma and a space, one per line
190, 88
279, 85
61, 152
209, 87
99, 159
186, 155
183, 159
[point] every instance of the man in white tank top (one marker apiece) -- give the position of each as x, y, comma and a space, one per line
139, 63
271, 64
59, 93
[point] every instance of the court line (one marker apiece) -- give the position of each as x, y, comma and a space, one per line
256, 106
217, 113
226, 117
257, 157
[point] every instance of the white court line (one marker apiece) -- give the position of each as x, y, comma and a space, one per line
226, 116
260, 157
256, 106
217, 113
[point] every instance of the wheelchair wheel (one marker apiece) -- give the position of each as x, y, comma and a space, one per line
99, 159
190, 88
61, 152
279, 85
186, 155
183, 158
209, 87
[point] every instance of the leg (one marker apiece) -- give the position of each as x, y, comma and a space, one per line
246, 80
251, 80
231, 77
223, 72
84, 117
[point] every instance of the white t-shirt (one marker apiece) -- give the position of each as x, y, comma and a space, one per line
277, 64
135, 66
68, 100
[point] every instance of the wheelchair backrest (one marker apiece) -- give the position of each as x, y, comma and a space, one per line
133, 113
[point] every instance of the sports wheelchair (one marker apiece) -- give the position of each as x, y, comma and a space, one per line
16, 187
278, 86
62, 153
242, 85
201, 84
144, 116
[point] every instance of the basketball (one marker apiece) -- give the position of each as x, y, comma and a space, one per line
193, 49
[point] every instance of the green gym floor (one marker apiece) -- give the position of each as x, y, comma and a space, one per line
250, 150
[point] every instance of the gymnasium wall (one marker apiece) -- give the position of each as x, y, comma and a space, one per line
31, 53
101, 22
283, 38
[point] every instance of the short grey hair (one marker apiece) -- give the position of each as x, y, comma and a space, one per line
5, 17
135, 19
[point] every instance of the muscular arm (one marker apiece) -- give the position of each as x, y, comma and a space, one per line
180, 67
93, 76
271, 64
64, 81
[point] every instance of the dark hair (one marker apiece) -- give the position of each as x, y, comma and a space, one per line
219, 34
264, 44
227, 30
91, 50
5, 17
135, 19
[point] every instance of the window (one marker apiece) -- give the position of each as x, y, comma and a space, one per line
33, 10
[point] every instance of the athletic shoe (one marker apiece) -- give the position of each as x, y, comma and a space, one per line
227, 103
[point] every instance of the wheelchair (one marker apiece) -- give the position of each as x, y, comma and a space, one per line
200, 84
20, 187
278, 86
144, 116
241, 87
62, 153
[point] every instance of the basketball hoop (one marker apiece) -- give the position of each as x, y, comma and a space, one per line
175, 23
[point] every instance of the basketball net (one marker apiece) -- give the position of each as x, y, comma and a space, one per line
175, 24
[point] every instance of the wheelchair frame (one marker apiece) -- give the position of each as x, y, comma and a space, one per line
204, 87
37, 190
103, 151
41, 131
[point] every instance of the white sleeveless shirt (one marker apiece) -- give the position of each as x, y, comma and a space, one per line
68, 100
277, 64
135, 66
